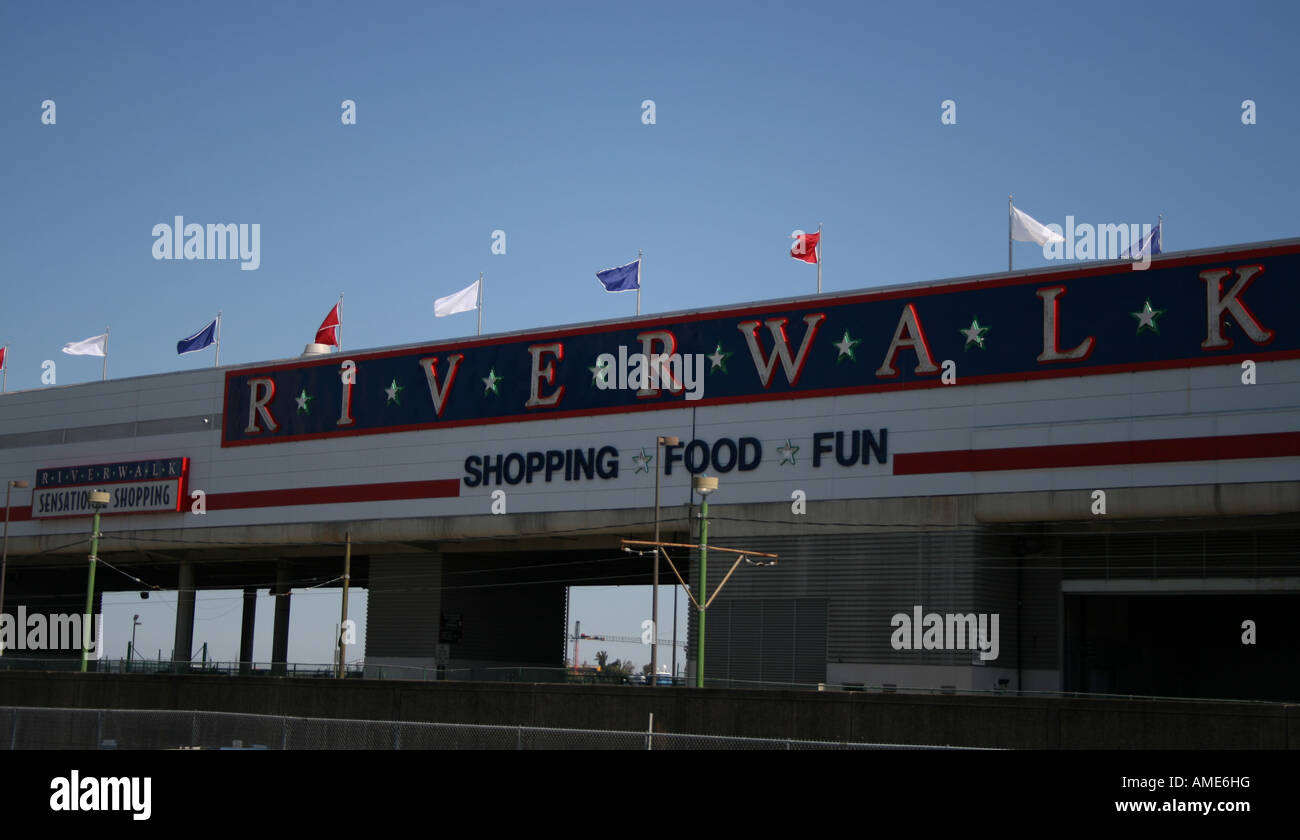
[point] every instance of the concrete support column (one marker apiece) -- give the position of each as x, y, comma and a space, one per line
183, 644
280, 634
246, 631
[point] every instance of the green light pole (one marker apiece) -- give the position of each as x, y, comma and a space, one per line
135, 622
704, 485
660, 442
98, 501
4, 553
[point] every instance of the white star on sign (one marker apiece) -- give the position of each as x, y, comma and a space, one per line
490, 382
393, 391
599, 374
787, 452
642, 461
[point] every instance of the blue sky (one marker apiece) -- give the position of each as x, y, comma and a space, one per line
526, 118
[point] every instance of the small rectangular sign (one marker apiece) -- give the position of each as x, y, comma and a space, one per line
133, 487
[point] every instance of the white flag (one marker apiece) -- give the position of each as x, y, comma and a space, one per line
89, 347
466, 300
1025, 228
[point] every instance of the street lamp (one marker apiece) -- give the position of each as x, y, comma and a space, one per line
660, 441
4, 553
704, 485
98, 500
135, 622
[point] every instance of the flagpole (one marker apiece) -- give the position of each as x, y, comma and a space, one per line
480, 303
1160, 226
4, 383
104, 377
1009, 206
338, 331
819, 258
638, 281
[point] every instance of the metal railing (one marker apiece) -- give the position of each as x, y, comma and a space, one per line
164, 666
505, 673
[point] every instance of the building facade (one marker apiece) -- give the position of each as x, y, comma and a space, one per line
1083, 480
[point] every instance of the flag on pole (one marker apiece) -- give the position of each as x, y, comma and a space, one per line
328, 334
624, 278
805, 247
466, 300
94, 346
1150, 241
201, 339
2, 356
1025, 228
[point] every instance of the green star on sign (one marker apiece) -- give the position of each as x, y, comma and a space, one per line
718, 359
304, 402
1147, 318
490, 382
974, 334
394, 393
845, 346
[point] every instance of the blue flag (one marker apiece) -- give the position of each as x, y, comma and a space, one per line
1151, 240
625, 278
199, 340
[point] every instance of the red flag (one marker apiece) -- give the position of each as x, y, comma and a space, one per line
327, 333
2, 356
805, 247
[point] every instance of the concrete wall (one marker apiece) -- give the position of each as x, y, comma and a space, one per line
987, 721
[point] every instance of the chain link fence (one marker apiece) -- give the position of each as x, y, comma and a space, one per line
30, 728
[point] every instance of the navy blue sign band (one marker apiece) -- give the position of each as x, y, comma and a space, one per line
1180, 312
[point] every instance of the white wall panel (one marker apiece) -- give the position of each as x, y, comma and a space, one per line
1190, 402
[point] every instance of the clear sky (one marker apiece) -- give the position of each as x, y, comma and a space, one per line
527, 118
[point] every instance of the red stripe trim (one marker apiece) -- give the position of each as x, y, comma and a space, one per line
1162, 451
443, 488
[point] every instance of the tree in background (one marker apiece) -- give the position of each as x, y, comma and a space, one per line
615, 668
